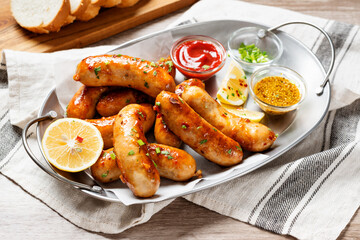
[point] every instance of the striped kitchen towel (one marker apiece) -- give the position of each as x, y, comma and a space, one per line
311, 192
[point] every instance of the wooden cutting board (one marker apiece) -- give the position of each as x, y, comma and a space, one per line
79, 34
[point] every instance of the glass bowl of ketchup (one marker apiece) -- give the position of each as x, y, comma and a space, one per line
198, 56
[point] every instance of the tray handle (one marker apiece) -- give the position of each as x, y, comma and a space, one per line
319, 91
49, 116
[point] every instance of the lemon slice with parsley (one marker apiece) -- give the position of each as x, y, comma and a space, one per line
72, 144
234, 87
253, 116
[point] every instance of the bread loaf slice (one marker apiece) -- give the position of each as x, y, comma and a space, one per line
41, 16
127, 3
111, 3
78, 7
91, 11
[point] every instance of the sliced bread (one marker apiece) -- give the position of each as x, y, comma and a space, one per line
91, 11
78, 7
41, 16
127, 3
111, 3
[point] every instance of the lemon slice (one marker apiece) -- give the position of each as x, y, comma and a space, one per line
234, 87
72, 144
253, 116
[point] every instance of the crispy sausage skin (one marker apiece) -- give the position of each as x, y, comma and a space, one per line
254, 137
106, 169
163, 135
111, 103
105, 126
124, 71
83, 103
130, 145
196, 132
172, 163
168, 65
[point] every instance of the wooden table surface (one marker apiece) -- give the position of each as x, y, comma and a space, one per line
25, 217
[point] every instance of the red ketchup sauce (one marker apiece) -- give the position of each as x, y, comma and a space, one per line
199, 57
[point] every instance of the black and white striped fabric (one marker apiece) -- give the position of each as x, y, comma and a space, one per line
311, 192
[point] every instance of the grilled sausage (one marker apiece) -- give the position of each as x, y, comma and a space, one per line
168, 65
197, 132
105, 169
124, 71
254, 137
172, 163
112, 102
105, 126
130, 145
83, 103
163, 135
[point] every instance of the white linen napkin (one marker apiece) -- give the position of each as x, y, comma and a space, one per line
301, 193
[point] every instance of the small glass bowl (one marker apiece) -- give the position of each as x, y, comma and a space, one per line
249, 35
280, 71
202, 75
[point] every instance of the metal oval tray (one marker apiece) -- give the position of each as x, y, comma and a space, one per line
292, 127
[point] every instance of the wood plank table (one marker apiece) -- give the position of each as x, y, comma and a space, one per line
25, 217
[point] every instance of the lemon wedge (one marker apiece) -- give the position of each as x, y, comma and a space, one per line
234, 87
72, 144
253, 116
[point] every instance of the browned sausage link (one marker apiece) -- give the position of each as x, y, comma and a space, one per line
105, 125
172, 163
112, 102
105, 169
190, 82
124, 71
163, 135
254, 137
83, 103
168, 65
196, 132
137, 169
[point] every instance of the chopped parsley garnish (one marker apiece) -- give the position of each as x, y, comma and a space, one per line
119, 55
142, 60
199, 127
131, 153
157, 150
206, 67
157, 103
203, 141
105, 174
225, 113
276, 135
155, 73
182, 101
147, 154
152, 64
183, 126
215, 129
252, 54
134, 59
238, 148
97, 70
140, 142
170, 157
112, 155
154, 163
146, 84
133, 130
140, 113
229, 152
145, 72
165, 152
107, 63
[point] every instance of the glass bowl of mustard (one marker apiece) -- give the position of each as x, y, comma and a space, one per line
277, 89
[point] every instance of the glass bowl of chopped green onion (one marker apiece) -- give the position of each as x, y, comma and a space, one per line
252, 52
